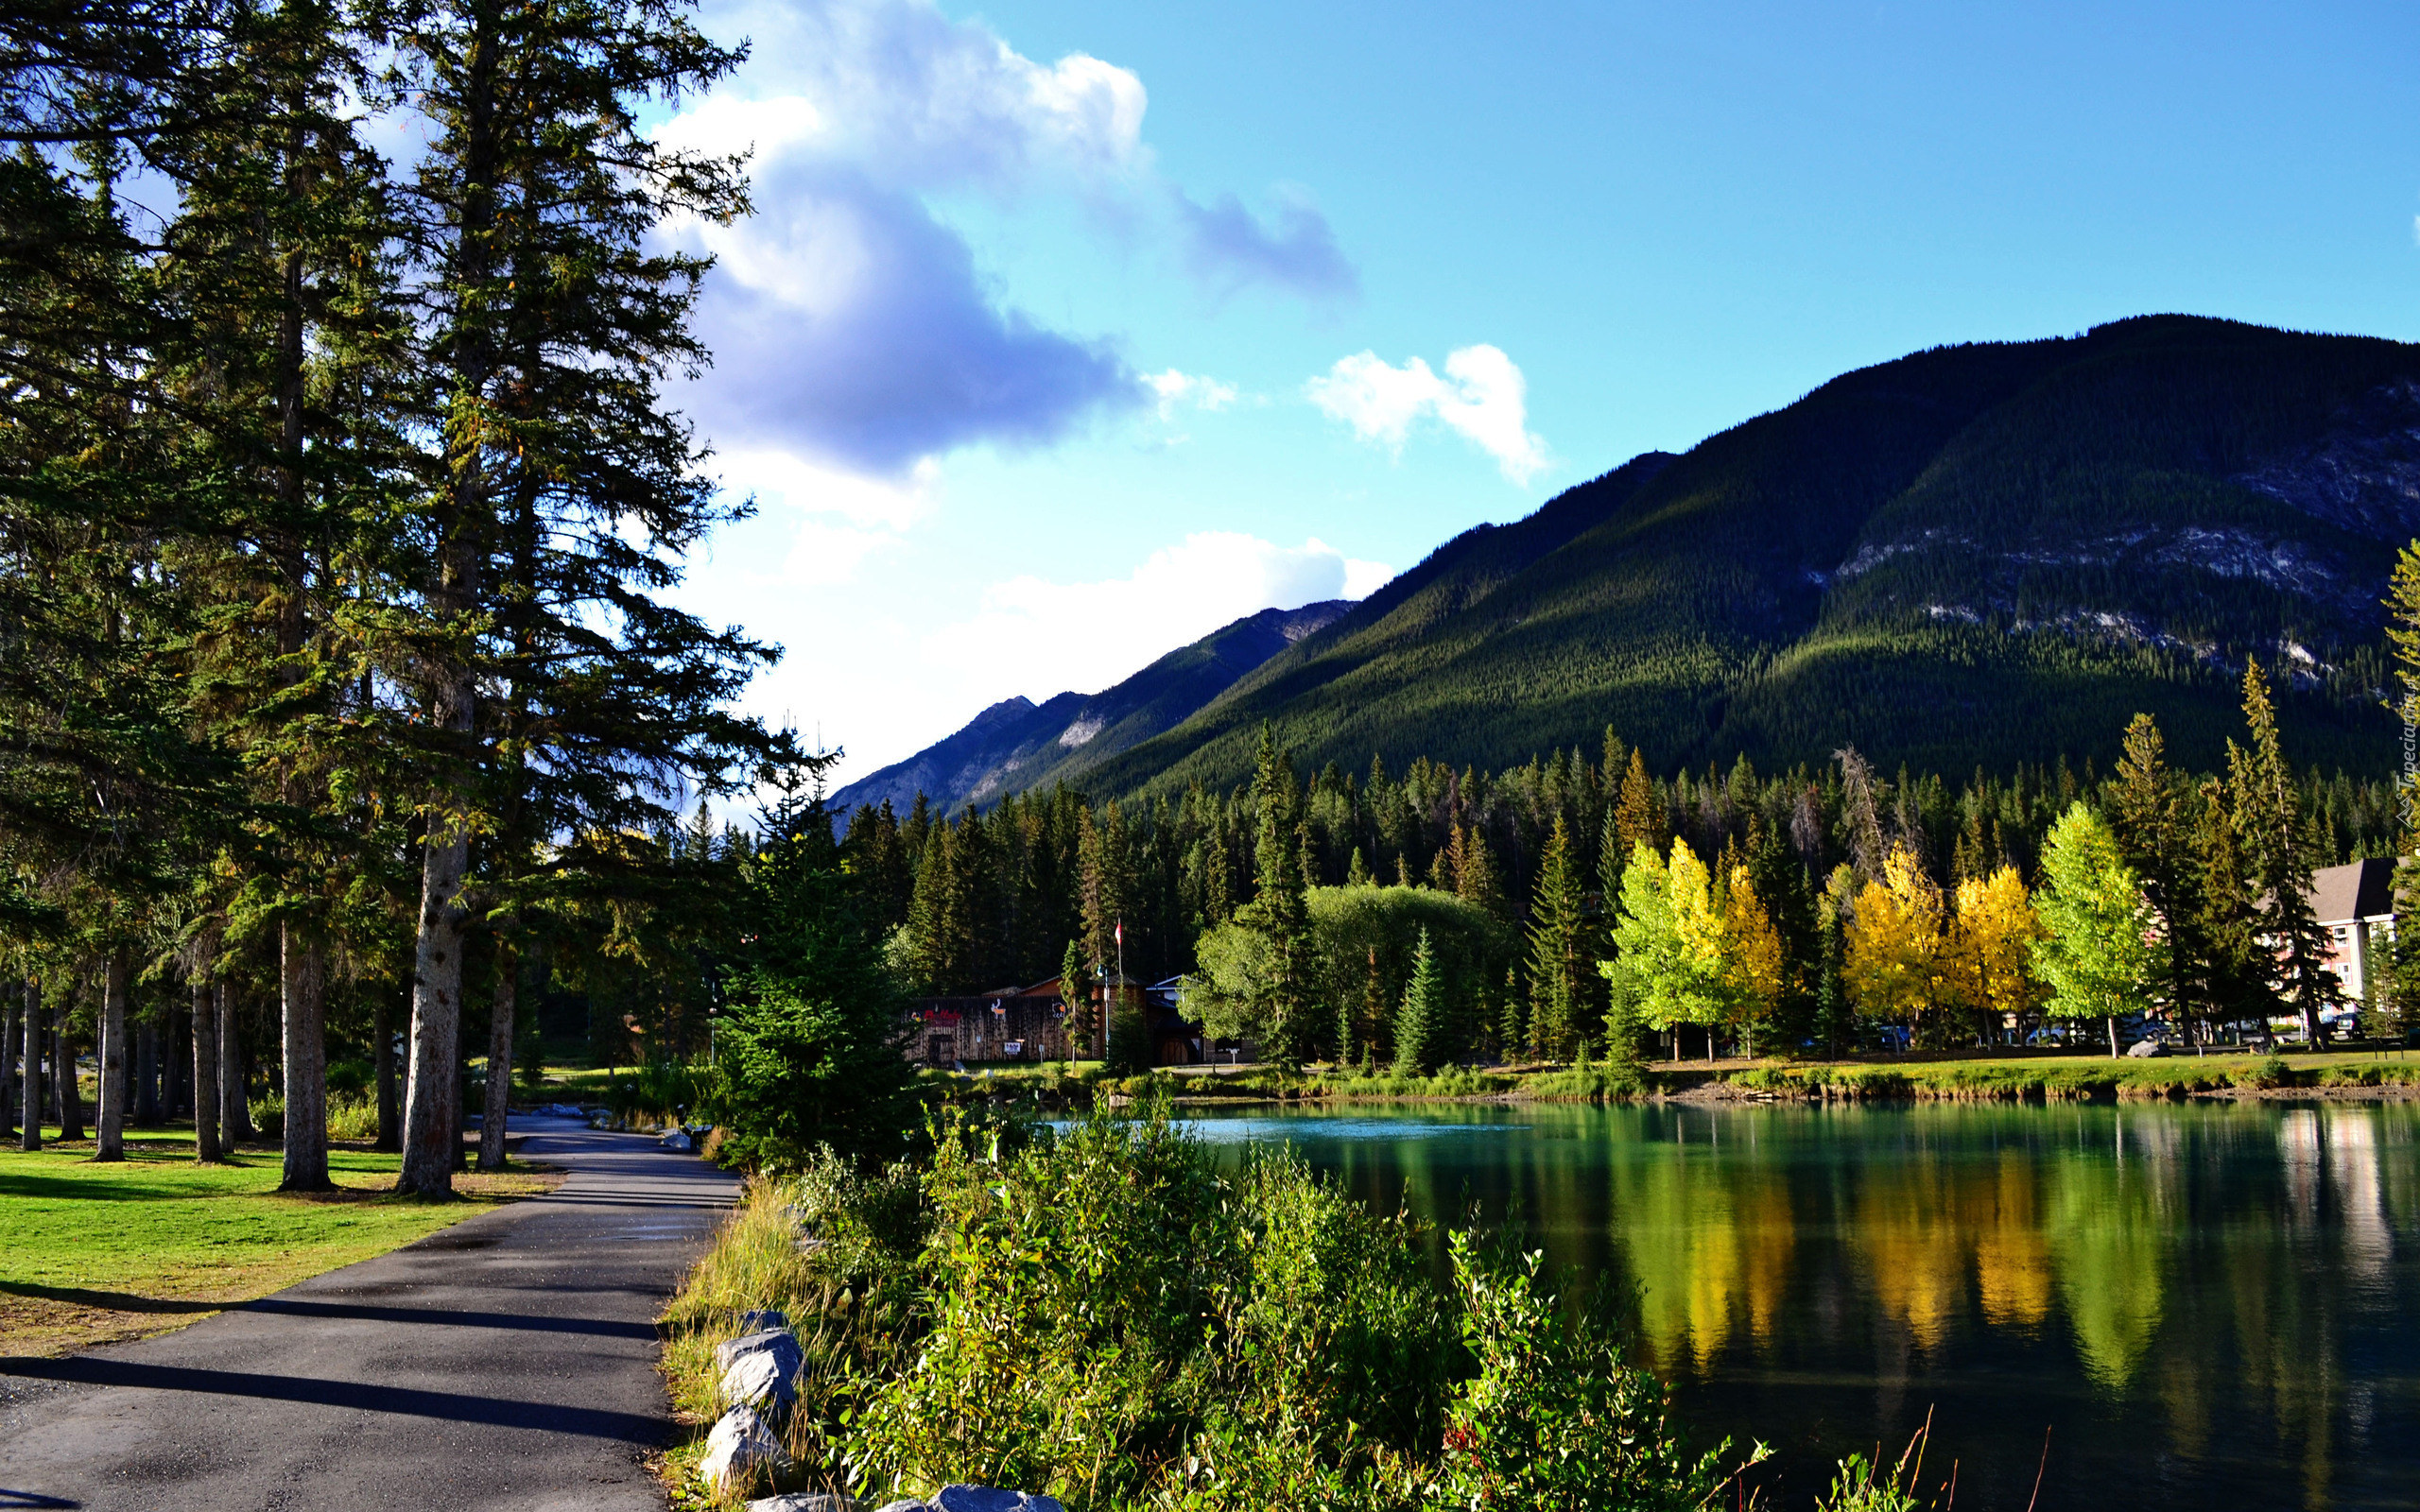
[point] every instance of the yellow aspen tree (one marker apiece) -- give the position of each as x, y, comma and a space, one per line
1752, 958
1896, 938
1991, 957
1699, 924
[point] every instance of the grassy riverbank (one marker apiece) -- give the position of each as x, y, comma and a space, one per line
95, 1254
2014, 1077
1112, 1315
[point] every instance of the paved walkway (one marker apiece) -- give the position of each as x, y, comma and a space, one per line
506, 1362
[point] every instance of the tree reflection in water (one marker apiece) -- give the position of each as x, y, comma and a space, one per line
2212, 1304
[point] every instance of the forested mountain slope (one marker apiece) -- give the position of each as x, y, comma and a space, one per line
1975, 555
1018, 744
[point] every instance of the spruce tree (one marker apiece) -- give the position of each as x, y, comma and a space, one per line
560, 483
1637, 820
1475, 877
1278, 912
2401, 1002
1076, 991
2148, 816
2278, 844
1420, 1022
1559, 999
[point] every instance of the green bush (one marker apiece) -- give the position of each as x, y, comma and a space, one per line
1112, 1316
660, 1091
1555, 1417
1598, 1083
353, 1117
2267, 1072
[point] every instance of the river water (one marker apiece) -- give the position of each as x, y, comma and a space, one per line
2203, 1305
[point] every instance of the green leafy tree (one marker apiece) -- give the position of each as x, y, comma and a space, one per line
1667, 966
1357, 953
2100, 955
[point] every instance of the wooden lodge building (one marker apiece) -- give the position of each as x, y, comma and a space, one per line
1031, 1023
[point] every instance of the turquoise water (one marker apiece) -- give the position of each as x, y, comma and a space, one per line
2204, 1306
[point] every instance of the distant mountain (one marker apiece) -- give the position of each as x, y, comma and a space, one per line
1017, 744
1975, 554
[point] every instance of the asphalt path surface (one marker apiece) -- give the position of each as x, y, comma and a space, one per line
506, 1362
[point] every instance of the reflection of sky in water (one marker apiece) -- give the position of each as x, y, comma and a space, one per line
2209, 1304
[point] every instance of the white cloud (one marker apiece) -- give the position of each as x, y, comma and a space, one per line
1362, 578
920, 100
1481, 396
1041, 638
837, 519
724, 124
1174, 388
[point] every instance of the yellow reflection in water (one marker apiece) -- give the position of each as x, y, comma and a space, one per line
1708, 1240
2012, 1261
1907, 1224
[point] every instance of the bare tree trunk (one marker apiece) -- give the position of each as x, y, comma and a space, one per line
71, 1095
383, 1059
147, 1076
29, 1135
176, 1059
436, 1018
2112, 1037
109, 1137
492, 1119
234, 1107
205, 1078
302, 994
8, 1067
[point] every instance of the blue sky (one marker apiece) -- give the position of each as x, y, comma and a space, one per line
1065, 332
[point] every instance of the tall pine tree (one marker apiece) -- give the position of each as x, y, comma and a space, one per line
2279, 847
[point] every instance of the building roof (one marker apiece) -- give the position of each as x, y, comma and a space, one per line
2363, 889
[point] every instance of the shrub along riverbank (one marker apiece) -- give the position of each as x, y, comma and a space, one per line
1105, 1315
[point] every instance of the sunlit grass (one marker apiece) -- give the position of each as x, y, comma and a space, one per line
90, 1253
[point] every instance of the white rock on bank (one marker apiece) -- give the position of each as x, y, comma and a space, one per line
804, 1501
767, 1380
763, 1320
780, 1341
742, 1442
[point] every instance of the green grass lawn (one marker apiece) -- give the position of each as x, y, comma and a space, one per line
92, 1253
